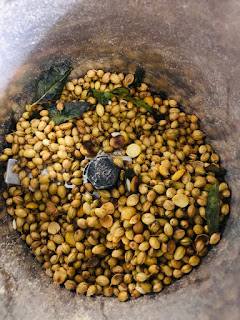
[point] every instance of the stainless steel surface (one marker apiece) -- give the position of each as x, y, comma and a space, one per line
190, 50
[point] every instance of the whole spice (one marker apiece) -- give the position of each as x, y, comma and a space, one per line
51, 83
213, 208
157, 219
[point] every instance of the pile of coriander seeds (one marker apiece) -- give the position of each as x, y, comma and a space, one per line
136, 237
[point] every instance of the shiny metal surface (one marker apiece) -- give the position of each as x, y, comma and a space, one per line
190, 50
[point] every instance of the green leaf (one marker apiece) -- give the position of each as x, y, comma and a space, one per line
102, 97
71, 110
121, 91
213, 209
51, 83
138, 77
140, 103
124, 93
218, 170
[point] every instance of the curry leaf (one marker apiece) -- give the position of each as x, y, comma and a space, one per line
140, 103
71, 110
213, 209
124, 93
138, 77
102, 97
218, 170
51, 83
121, 91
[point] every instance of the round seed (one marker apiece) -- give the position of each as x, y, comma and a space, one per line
108, 207
107, 221
53, 227
132, 200
180, 200
102, 281
179, 253
133, 150
163, 170
215, 238
29, 153
60, 275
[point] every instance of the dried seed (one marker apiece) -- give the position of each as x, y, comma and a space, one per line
178, 174
148, 218
100, 110
107, 221
102, 281
180, 200
127, 213
179, 253
60, 275
132, 200
99, 249
117, 142
69, 237
133, 150
108, 207
82, 287
53, 228
29, 153
123, 296
215, 237
163, 170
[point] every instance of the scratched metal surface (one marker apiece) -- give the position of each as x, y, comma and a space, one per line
191, 50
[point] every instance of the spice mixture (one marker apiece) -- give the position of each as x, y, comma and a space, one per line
154, 225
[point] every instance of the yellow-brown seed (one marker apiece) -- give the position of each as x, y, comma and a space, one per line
123, 296
61, 191
148, 218
178, 174
179, 253
82, 287
60, 275
127, 213
108, 207
215, 237
132, 200
99, 249
102, 281
194, 261
163, 170
180, 200
141, 277
29, 153
168, 229
107, 221
69, 237
53, 228
154, 243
